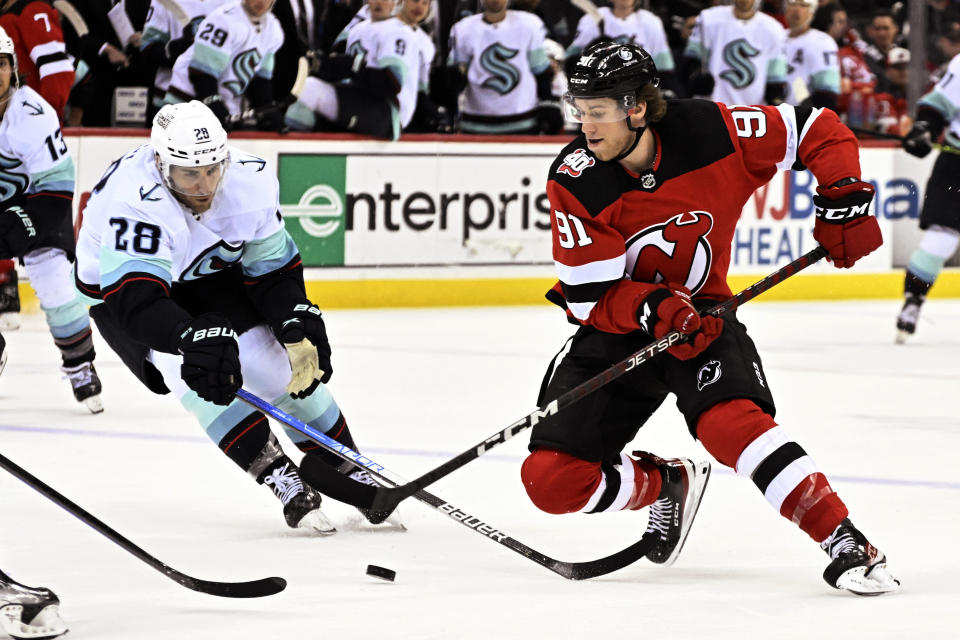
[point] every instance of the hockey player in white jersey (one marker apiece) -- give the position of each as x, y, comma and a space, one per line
735, 55
813, 70
624, 23
231, 59
389, 81
198, 287
497, 60
164, 39
36, 220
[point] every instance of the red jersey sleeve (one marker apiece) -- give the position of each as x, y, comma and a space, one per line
590, 258
772, 138
39, 26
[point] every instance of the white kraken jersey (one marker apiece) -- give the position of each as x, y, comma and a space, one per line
161, 26
641, 28
812, 57
360, 16
501, 61
407, 51
233, 49
33, 155
945, 98
742, 55
132, 224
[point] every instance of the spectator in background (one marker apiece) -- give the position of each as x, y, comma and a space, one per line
942, 16
498, 61
813, 70
889, 109
856, 80
231, 60
882, 31
735, 55
625, 23
380, 94
949, 46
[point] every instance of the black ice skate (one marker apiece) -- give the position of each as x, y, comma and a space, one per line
907, 320
301, 505
672, 515
3, 353
856, 565
86, 385
10, 304
29, 612
377, 519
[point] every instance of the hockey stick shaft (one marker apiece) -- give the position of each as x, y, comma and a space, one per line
303, 71
252, 589
892, 136
569, 570
386, 500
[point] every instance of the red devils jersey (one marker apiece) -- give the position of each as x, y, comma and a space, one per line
42, 58
615, 232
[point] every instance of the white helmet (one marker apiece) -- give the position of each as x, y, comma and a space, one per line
188, 134
7, 47
813, 4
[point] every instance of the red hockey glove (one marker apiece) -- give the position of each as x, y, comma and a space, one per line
844, 225
668, 308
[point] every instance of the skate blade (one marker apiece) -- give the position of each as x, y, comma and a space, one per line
691, 506
46, 624
902, 336
9, 321
93, 403
877, 581
3, 361
317, 523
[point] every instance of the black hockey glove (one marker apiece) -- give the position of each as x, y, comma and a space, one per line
549, 117
219, 108
918, 141
304, 336
174, 48
339, 66
211, 358
272, 120
17, 232
701, 84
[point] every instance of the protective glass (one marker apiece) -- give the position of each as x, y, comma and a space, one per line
197, 181
597, 110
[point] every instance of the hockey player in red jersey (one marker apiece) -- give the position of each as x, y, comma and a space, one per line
41, 52
645, 203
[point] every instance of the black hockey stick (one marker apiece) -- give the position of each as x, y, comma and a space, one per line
387, 499
569, 570
946, 148
252, 589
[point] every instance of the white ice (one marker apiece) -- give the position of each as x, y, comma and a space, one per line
419, 386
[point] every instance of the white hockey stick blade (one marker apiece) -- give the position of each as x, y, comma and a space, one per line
73, 16
303, 71
176, 11
800, 90
588, 8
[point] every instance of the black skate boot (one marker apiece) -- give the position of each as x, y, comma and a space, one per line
86, 385
672, 515
301, 504
29, 612
389, 520
10, 303
907, 320
856, 565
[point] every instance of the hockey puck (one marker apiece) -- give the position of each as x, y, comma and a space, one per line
381, 572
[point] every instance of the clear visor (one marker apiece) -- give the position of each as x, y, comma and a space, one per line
597, 110
197, 182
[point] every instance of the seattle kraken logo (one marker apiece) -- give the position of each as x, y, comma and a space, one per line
217, 258
12, 183
356, 49
504, 77
737, 54
244, 66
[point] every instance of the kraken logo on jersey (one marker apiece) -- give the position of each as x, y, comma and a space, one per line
495, 60
356, 49
675, 251
12, 183
244, 66
737, 54
217, 258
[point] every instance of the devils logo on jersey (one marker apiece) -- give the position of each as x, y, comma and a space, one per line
708, 374
575, 163
675, 251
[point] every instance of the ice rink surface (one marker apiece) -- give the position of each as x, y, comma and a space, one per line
420, 386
